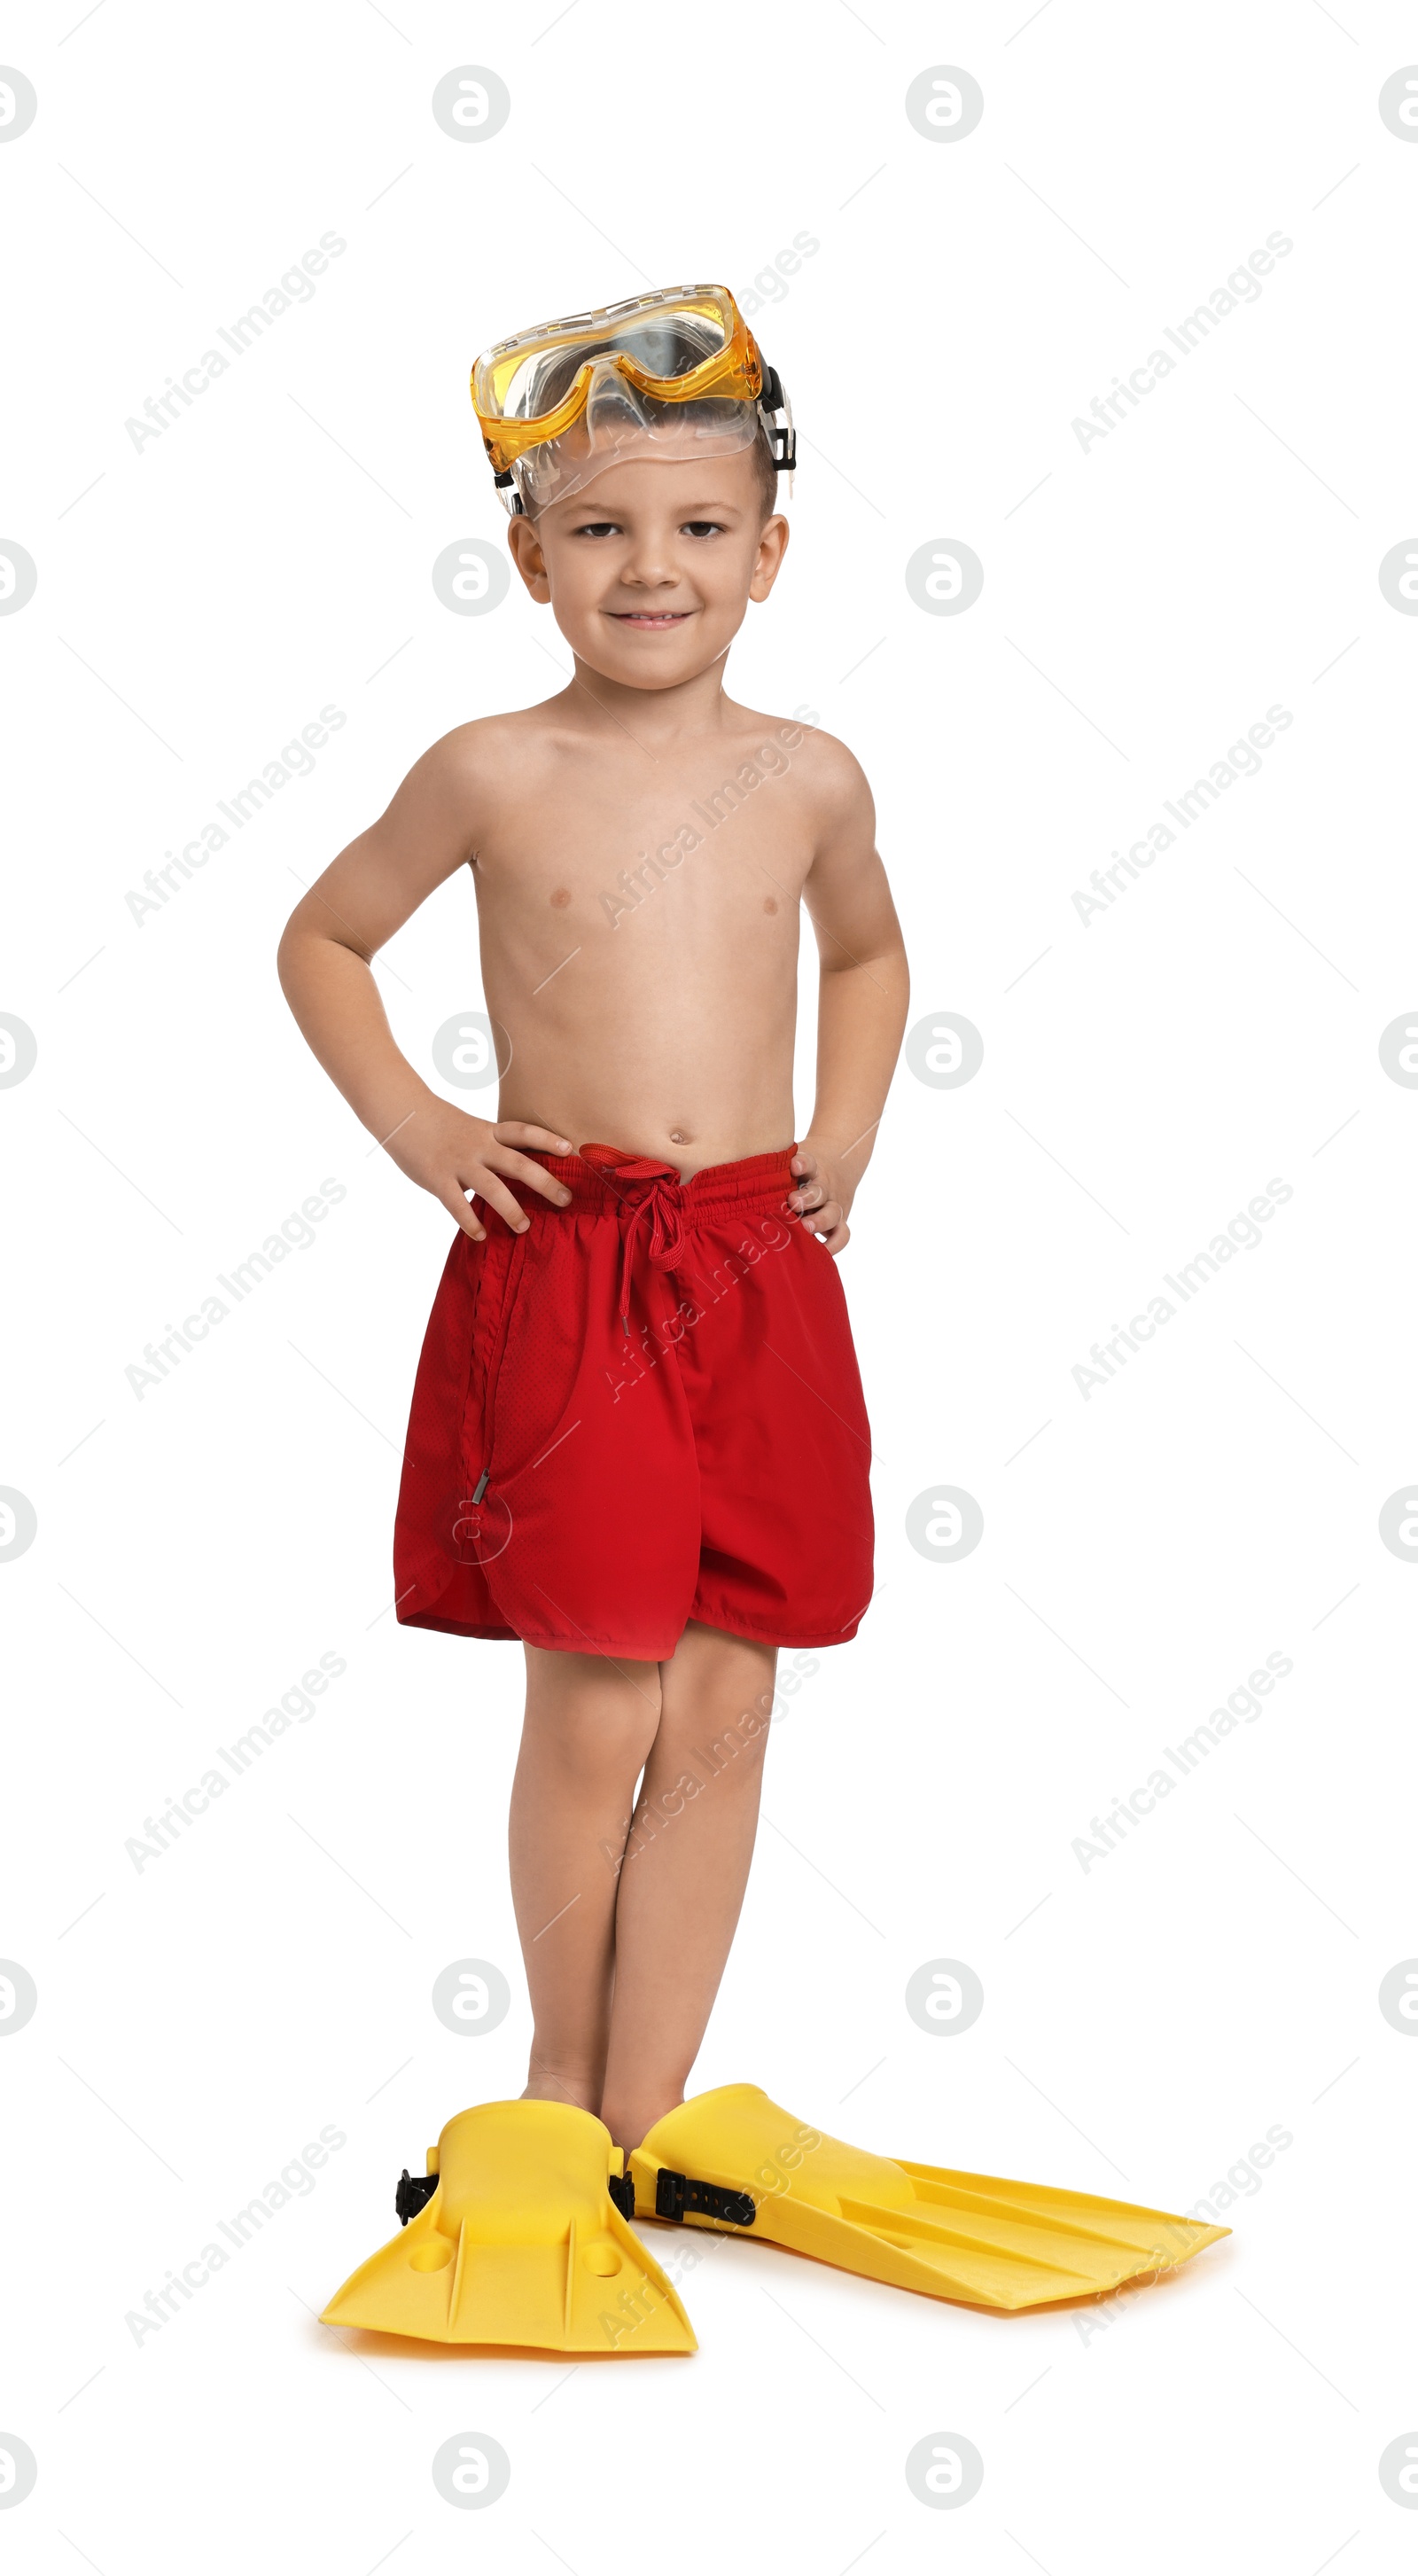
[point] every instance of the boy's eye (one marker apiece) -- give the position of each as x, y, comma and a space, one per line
598, 528
703, 528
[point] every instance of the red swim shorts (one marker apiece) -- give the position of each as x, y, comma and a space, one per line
644, 1410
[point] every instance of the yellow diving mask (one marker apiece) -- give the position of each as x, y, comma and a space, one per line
676, 374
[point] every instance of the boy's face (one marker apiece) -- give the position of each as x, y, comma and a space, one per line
649, 571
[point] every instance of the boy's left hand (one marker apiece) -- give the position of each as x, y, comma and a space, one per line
823, 1198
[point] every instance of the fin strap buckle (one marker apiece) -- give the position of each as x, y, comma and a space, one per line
677, 2196
412, 2192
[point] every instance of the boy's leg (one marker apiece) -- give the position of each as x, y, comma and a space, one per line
589, 1727
686, 1865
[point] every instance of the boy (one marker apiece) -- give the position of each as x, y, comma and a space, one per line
649, 1003
637, 1440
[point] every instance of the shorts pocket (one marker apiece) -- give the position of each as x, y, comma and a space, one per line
492, 1323
537, 1367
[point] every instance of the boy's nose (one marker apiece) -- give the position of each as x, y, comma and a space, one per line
649, 574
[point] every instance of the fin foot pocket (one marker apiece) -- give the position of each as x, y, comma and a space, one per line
521, 2238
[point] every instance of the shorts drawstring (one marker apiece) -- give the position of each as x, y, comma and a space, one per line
661, 1203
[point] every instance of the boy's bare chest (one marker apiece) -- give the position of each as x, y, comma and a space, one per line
731, 835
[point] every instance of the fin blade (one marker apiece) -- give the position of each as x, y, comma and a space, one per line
1082, 2216
544, 2297
1160, 2244
985, 2272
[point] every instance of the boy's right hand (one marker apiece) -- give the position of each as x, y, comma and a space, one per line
449, 1153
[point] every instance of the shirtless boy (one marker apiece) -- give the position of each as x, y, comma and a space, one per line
637, 1441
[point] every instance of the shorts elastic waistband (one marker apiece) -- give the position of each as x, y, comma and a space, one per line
603, 1179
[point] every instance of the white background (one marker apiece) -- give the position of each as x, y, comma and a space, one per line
1145, 601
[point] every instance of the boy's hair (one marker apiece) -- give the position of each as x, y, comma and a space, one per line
765, 475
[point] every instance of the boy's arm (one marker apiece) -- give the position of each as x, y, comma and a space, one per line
364, 896
863, 994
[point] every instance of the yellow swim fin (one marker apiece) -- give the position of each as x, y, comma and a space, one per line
733, 2160
519, 2238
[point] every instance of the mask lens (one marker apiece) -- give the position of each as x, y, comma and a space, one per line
665, 344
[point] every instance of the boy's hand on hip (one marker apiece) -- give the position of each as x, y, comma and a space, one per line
823, 1197
449, 1154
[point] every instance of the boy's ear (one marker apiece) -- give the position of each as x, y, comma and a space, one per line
526, 550
768, 562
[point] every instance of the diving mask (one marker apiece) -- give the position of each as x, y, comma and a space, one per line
675, 375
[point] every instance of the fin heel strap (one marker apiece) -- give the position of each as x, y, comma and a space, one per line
678, 2196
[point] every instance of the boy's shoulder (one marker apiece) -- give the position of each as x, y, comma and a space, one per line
487, 744
823, 763
830, 780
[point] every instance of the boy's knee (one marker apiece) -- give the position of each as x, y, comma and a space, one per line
714, 1745
601, 1726
617, 1740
